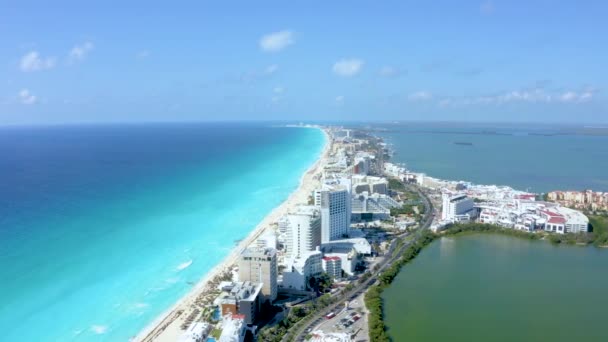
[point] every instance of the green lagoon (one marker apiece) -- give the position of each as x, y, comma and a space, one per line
486, 287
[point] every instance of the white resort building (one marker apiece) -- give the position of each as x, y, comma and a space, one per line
367, 207
565, 220
298, 271
369, 184
303, 232
456, 207
196, 332
233, 329
529, 215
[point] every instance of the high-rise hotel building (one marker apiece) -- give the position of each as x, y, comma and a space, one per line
335, 203
259, 265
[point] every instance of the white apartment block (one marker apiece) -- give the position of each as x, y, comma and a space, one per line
455, 206
303, 231
332, 265
335, 206
233, 329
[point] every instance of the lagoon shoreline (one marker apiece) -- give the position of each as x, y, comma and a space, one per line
167, 326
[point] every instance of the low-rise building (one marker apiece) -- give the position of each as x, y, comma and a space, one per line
196, 332
529, 215
267, 240
564, 220
240, 298
299, 270
367, 207
233, 329
369, 184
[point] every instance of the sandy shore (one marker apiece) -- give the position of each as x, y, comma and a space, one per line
167, 326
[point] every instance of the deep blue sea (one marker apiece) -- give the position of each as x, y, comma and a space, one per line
536, 157
102, 228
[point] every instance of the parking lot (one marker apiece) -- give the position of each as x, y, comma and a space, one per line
352, 321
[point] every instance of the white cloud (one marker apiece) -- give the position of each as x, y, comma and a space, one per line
275, 99
339, 100
586, 96
32, 61
420, 96
26, 98
574, 97
276, 41
389, 72
568, 96
278, 90
348, 67
522, 96
79, 52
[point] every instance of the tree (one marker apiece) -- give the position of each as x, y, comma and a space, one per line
324, 282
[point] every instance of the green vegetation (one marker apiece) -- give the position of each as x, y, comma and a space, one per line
325, 282
216, 333
415, 210
572, 239
599, 224
406, 209
322, 283
599, 227
598, 236
395, 184
373, 297
474, 227
297, 315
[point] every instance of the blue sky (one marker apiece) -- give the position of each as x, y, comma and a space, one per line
67, 62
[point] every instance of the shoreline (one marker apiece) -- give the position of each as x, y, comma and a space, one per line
529, 188
392, 151
166, 327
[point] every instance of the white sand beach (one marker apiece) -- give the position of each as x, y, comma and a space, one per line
167, 327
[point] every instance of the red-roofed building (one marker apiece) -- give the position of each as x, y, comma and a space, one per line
555, 222
332, 265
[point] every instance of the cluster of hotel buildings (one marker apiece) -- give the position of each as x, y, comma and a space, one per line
585, 200
314, 238
501, 205
317, 237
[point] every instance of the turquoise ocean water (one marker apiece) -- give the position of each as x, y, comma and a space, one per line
103, 228
536, 157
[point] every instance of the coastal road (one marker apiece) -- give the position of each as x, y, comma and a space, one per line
299, 332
